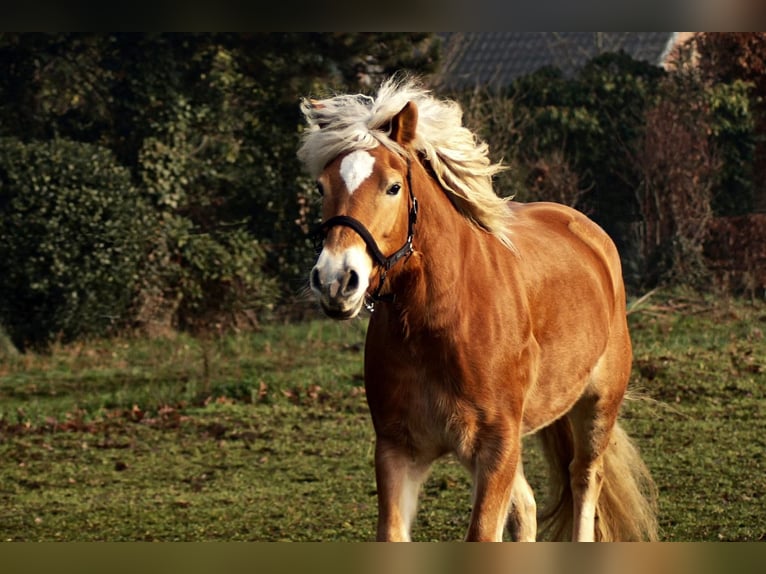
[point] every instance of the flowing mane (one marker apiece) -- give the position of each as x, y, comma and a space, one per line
458, 160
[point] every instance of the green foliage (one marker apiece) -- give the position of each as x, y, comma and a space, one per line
71, 240
209, 279
595, 119
206, 127
204, 265
732, 125
583, 140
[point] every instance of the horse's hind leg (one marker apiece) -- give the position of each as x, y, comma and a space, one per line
522, 520
586, 471
399, 479
592, 420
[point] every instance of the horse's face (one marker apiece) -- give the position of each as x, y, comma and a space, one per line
369, 186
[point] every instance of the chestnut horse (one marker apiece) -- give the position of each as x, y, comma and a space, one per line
492, 320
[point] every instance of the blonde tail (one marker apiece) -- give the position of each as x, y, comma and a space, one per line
627, 506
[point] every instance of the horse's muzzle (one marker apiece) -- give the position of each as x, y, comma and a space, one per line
340, 281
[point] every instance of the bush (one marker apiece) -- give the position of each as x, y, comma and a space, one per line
679, 166
71, 240
197, 280
733, 134
650, 155
205, 268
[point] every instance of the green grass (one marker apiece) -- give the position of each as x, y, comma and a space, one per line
705, 440
266, 436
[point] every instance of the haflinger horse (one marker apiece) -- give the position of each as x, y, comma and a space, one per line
492, 320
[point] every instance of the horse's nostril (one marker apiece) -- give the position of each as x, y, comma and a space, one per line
315, 282
352, 282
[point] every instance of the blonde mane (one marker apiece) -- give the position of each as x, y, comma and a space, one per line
459, 161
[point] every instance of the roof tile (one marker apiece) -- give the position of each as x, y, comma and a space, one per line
497, 58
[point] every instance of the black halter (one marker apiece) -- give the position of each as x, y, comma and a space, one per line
386, 263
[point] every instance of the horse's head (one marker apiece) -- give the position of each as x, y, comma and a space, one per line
368, 211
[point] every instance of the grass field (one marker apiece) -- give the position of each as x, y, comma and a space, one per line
266, 436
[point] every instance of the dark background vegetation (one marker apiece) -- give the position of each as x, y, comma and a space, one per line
148, 183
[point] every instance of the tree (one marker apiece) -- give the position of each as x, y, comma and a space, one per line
646, 153
206, 127
731, 57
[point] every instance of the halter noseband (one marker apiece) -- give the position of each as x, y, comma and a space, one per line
386, 263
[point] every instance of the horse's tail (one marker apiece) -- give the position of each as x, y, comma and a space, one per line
627, 506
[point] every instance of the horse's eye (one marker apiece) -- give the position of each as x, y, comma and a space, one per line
394, 189
320, 189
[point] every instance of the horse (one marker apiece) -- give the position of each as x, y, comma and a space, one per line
490, 320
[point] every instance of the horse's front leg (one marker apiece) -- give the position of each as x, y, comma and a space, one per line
399, 477
522, 521
494, 467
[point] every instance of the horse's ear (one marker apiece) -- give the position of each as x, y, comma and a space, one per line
404, 123
309, 106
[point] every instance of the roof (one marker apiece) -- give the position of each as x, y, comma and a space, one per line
497, 58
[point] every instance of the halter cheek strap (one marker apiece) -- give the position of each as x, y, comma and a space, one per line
385, 262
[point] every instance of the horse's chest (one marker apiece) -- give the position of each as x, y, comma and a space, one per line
426, 414
433, 396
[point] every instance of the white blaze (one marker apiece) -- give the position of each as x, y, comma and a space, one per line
355, 168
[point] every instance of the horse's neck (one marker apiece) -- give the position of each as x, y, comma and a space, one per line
430, 289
